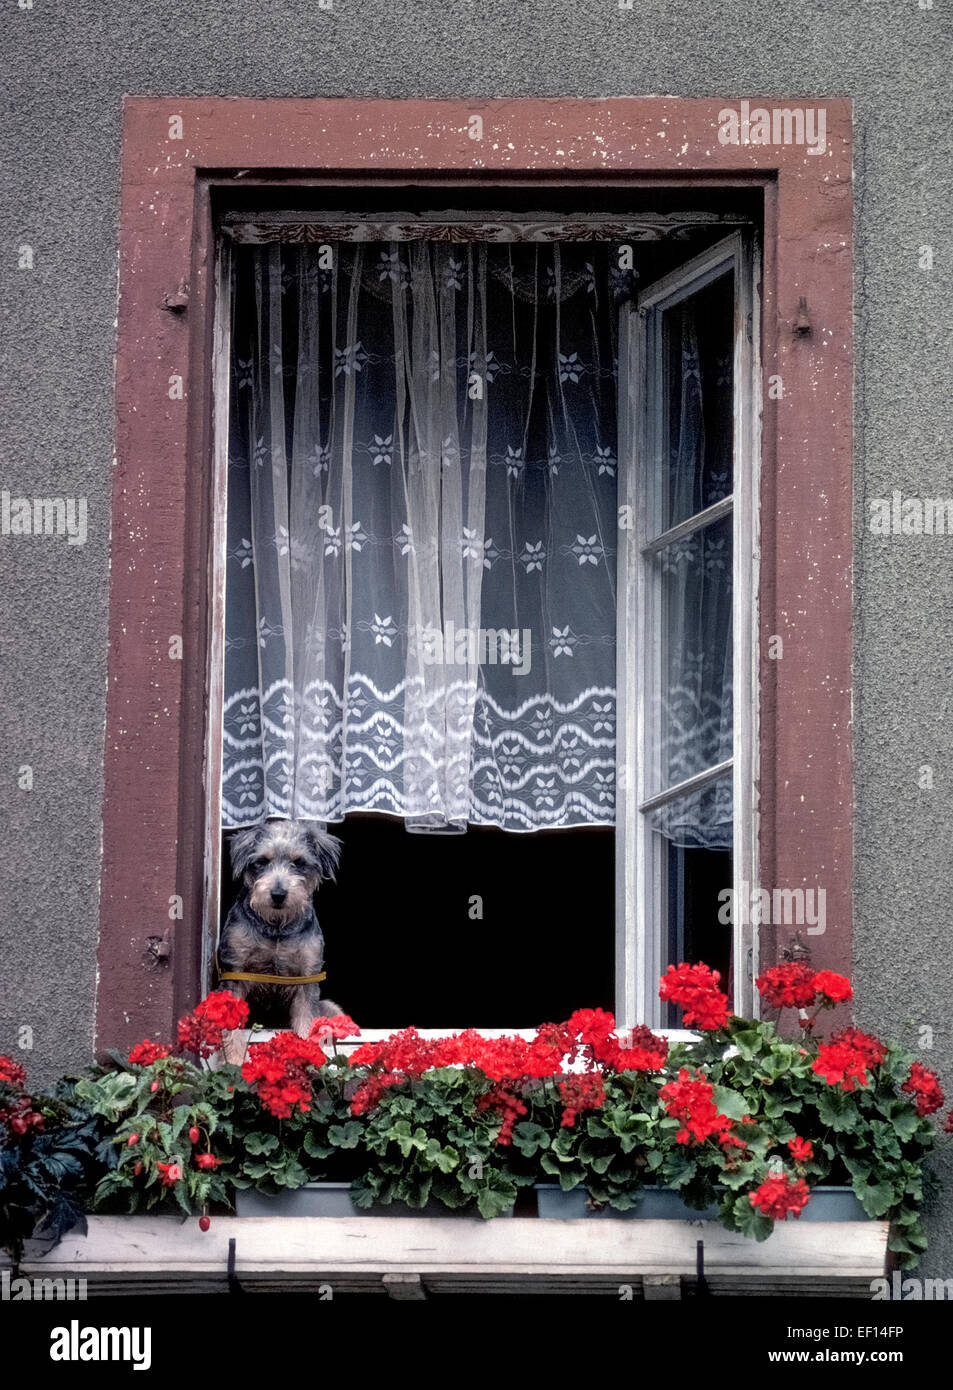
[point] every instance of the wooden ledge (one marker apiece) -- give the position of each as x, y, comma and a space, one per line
411, 1256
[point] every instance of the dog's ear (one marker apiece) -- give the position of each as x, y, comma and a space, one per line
326, 849
243, 847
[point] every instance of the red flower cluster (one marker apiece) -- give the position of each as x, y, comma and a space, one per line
789, 986
371, 1089
689, 1100
406, 1055
796, 986
925, 1085
501, 1097
695, 989
640, 1050
279, 1071
201, 1031
146, 1052
802, 1150
845, 1060
207, 1162
835, 988
171, 1173
336, 1026
498, 1058
21, 1116
584, 1091
780, 1194
11, 1072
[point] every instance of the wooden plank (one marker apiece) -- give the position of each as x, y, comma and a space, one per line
134, 1250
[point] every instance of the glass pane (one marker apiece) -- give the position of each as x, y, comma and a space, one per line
695, 444
690, 610
692, 852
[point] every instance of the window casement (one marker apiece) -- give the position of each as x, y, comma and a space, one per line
789, 512
688, 577
657, 415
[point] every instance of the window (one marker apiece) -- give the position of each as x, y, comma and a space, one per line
453, 548
252, 158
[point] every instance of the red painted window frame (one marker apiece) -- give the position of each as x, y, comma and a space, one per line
154, 797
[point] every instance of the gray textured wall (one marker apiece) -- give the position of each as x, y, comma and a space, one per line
66, 69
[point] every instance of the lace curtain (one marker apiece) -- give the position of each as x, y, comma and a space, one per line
420, 607
422, 520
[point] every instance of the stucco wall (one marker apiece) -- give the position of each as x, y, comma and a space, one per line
66, 69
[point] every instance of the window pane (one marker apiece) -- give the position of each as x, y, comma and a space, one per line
691, 713
695, 443
692, 869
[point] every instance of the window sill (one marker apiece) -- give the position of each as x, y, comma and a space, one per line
411, 1257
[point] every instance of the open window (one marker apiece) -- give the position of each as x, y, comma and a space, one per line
486, 575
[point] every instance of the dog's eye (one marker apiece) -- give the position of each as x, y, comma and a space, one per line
299, 864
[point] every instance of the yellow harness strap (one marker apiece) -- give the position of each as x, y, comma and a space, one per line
272, 979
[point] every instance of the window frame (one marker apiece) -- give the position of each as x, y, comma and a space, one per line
638, 947
179, 155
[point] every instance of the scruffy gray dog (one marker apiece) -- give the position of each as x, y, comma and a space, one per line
273, 930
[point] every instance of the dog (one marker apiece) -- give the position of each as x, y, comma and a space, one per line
272, 929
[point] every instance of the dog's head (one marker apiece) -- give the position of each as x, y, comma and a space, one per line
282, 863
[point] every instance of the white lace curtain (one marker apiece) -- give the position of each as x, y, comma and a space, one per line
422, 522
422, 514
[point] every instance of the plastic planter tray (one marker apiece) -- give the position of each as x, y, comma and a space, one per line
333, 1199
665, 1204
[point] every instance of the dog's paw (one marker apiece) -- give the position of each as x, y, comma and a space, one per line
328, 1009
234, 1045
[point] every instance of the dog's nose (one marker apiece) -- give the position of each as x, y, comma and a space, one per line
278, 896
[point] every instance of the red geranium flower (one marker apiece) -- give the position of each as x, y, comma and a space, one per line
11, 1072
501, 1097
802, 1150
146, 1052
870, 1047
641, 1050
780, 1194
689, 1100
223, 1009
835, 988
788, 986
583, 1091
695, 989
278, 1069
925, 1085
337, 1026
841, 1065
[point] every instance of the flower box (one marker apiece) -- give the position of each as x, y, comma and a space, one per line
666, 1204
334, 1199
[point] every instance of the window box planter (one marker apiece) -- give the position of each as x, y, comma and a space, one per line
666, 1204
412, 1258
